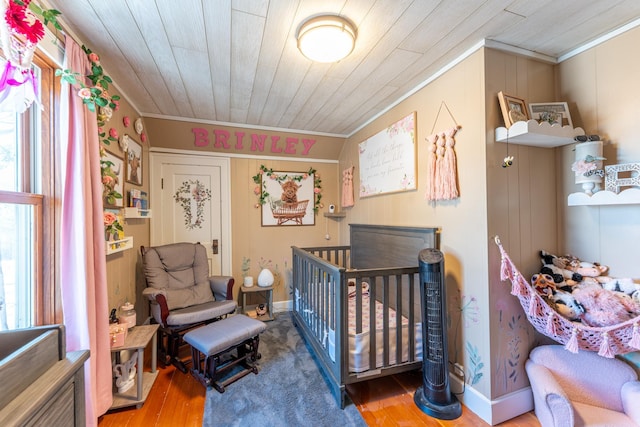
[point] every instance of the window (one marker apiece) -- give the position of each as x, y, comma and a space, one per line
27, 200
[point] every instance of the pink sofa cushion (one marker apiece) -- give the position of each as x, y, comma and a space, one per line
593, 416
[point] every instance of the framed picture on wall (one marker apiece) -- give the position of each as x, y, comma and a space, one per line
513, 109
551, 112
289, 198
388, 159
112, 172
134, 162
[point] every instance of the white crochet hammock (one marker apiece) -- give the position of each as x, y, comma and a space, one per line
608, 341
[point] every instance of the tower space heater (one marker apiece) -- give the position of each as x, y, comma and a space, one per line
434, 397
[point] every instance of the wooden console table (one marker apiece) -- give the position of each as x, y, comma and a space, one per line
137, 340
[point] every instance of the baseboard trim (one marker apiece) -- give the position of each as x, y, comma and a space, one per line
280, 306
494, 411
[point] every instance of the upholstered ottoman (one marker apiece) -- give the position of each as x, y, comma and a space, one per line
211, 348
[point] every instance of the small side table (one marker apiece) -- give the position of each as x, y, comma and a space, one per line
267, 294
137, 339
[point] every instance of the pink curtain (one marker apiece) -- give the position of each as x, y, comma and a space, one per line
82, 257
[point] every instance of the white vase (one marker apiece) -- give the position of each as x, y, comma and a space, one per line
265, 278
248, 281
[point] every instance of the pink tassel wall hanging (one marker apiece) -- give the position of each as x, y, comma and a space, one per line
431, 172
442, 163
451, 167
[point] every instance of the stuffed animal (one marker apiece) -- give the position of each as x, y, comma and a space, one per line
543, 284
571, 263
564, 279
567, 306
604, 307
625, 285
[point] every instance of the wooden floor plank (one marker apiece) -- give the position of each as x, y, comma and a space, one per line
177, 399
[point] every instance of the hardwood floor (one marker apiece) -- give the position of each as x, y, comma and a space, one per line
177, 399
388, 401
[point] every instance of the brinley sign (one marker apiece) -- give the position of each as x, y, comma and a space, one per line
259, 143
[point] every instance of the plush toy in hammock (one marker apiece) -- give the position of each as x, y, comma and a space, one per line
580, 292
607, 341
603, 307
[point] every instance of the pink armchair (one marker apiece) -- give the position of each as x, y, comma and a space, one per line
582, 389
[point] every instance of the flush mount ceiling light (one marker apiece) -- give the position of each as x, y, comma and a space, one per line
326, 38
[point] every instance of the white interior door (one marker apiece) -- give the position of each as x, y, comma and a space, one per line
190, 200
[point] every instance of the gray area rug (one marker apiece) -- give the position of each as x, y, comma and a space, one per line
288, 391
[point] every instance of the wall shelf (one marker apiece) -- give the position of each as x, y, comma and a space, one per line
537, 134
335, 215
630, 196
137, 213
119, 245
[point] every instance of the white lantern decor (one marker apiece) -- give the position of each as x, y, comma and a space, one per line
588, 166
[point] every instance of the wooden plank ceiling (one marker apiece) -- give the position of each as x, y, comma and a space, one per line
236, 61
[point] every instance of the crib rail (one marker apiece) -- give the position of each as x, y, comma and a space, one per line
337, 255
316, 310
397, 292
321, 309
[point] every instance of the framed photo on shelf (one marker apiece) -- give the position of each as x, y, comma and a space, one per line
134, 162
552, 112
290, 199
513, 109
112, 172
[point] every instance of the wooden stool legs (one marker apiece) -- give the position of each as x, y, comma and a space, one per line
209, 369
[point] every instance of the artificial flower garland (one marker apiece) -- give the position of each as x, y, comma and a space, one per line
261, 189
96, 95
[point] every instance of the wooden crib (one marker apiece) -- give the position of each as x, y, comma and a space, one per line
335, 290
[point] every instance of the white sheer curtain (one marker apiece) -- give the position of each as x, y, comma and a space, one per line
82, 249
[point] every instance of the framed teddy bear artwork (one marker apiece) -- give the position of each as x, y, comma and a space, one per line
289, 198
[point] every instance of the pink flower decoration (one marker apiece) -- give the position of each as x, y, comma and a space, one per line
143, 137
107, 180
113, 133
305, 176
84, 93
317, 190
117, 103
100, 130
109, 218
23, 22
581, 167
94, 57
257, 190
126, 121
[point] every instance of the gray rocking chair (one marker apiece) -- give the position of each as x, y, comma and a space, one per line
182, 295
